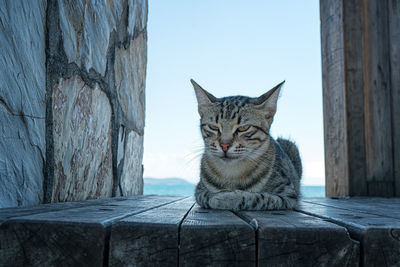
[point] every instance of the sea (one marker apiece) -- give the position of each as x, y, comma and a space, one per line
180, 187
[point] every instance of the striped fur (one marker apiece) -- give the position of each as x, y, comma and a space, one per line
243, 167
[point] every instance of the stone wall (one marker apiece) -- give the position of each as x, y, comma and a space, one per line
72, 83
22, 102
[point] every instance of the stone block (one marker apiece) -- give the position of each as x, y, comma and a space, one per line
86, 27
82, 141
22, 102
93, 74
137, 19
130, 81
131, 151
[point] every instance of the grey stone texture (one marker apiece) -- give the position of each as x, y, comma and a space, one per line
137, 20
82, 141
130, 79
131, 179
22, 102
130, 82
102, 63
86, 27
72, 109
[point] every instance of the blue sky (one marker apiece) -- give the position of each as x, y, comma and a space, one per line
231, 48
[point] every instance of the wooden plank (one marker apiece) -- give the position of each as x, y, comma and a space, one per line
377, 93
379, 236
216, 238
394, 27
354, 95
386, 207
7, 213
334, 98
72, 237
149, 238
289, 238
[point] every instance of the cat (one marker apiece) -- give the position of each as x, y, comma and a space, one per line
242, 166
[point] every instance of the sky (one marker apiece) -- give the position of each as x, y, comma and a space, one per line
231, 48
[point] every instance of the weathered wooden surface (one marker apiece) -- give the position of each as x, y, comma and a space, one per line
343, 98
394, 26
385, 207
290, 238
334, 98
378, 234
71, 237
360, 41
377, 93
216, 238
354, 95
173, 231
8, 213
149, 238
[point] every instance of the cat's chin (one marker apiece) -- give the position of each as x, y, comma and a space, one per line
225, 158
229, 159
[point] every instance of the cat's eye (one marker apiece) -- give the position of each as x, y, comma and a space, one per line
213, 127
243, 128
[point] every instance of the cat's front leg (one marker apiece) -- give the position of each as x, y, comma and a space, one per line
203, 195
244, 200
232, 200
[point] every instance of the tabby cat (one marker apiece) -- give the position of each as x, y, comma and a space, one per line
243, 167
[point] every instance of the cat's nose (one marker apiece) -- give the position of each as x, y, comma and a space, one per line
225, 147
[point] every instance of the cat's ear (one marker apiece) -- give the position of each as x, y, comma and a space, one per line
204, 98
268, 101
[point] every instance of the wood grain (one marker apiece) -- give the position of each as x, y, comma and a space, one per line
334, 98
360, 42
289, 238
377, 94
385, 207
394, 27
216, 238
149, 238
354, 94
170, 231
379, 236
71, 237
7, 213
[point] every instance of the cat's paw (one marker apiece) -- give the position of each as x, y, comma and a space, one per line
226, 201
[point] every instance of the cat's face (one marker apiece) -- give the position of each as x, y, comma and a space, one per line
235, 127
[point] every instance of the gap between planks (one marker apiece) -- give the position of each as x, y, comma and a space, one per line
255, 227
179, 230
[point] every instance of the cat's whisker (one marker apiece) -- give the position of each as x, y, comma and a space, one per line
193, 156
193, 159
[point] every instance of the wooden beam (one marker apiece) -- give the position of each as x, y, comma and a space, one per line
361, 93
8, 213
394, 28
149, 238
72, 237
334, 108
379, 235
343, 98
353, 71
170, 231
289, 238
379, 206
377, 97
216, 238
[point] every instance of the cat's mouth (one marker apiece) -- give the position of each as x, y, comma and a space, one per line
227, 157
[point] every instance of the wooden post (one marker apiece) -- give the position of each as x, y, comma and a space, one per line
343, 98
360, 69
394, 29
376, 69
